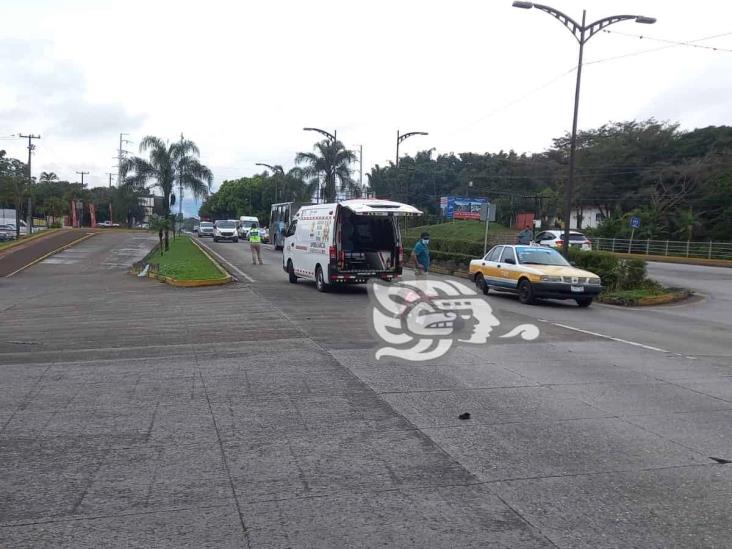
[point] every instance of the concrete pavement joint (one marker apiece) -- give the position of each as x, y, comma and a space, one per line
225, 461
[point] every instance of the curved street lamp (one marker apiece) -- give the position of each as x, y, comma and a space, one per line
275, 170
402, 137
332, 138
582, 33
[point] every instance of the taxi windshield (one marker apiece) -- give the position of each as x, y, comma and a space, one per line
536, 255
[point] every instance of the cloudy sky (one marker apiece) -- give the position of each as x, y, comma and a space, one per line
242, 78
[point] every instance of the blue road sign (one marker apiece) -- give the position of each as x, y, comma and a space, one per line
635, 222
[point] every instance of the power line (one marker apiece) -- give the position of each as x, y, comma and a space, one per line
691, 44
641, 52
513, 102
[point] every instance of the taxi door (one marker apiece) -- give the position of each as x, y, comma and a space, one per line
508, 268
489, 266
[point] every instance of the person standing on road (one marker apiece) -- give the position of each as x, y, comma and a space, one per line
255, 243
526, 236
421, 254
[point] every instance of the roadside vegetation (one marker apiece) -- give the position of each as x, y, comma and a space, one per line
184, 261
625, 280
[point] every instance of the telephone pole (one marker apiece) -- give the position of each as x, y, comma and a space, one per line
30, 137
180, 183
82, 173
110, 197
121, 152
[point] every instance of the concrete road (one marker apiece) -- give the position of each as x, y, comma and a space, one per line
255, 415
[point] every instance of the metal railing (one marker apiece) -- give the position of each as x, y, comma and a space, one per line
669, 248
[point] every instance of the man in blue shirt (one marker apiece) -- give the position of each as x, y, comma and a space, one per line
421, 254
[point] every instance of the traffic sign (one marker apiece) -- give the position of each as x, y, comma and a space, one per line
635, 222
487, 212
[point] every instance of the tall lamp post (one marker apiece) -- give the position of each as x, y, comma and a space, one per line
332, 137
401, 137
275, 170
582, 33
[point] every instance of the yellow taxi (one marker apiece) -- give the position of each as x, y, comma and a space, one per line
534, 272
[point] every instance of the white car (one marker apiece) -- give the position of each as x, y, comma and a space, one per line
555, 239
225, 229
205, 228
345, 243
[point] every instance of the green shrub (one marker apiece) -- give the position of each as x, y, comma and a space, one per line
615, 273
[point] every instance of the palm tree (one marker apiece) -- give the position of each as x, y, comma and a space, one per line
333, 160
48, 177
168, 163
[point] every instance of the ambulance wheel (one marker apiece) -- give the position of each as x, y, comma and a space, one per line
320, 283
291, 272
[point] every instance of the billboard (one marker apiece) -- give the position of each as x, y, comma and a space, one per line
461, 207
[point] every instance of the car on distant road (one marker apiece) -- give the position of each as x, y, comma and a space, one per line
555, 239
534, 272
104, 224
245, 223
205, 228
225, 229
7, 232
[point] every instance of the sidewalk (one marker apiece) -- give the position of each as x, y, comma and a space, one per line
24, 254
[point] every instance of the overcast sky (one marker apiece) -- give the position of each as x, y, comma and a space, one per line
242, 78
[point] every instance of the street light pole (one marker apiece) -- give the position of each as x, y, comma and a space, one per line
332, 137
582, 33
275, 170
400, 138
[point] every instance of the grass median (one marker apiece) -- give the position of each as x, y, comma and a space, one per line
184, 261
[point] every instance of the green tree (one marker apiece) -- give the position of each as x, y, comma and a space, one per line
167, 164
47, 177
13, 185
333, 161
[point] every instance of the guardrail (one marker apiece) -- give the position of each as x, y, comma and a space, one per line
668, 248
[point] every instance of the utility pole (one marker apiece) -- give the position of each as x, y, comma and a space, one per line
82, 173
110, 197
121, 156
31, 147
180, 183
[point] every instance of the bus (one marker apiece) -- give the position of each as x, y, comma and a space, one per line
279, 219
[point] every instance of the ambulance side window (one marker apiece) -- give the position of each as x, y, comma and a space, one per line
292, 228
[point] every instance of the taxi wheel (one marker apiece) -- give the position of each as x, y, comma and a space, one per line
291, 272
584, 301
480, 283
525, 292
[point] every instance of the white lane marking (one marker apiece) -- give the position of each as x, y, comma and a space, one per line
619, 340
234, 268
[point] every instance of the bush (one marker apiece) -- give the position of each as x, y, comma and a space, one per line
615, 273
603, 264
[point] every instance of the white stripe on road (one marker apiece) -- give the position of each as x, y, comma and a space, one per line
619, 340
233, 267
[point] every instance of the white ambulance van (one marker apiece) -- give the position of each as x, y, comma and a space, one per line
346, 243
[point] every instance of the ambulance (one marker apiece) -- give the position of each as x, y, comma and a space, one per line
346, 243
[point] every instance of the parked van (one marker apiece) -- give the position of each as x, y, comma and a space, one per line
245, 223
348, 242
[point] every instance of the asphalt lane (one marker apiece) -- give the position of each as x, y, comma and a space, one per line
17, 257
255, 415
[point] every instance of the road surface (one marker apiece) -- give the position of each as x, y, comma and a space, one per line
255, 415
